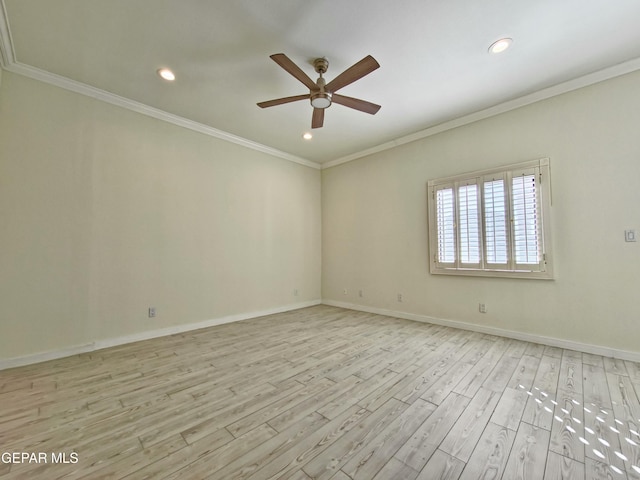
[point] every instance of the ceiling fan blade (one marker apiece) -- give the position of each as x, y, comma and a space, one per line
356, 103
364, 67
286, 63
280, 101
317, 120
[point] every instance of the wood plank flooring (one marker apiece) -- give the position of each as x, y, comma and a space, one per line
323, 393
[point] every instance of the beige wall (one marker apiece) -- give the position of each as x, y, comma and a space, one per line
105, 212
375, 221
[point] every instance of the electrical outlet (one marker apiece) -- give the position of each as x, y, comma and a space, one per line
295, 292
344, 292
630, 236
152, 312
360, 293
482, 308
399, 297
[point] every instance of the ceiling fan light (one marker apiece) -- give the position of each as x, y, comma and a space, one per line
321, 100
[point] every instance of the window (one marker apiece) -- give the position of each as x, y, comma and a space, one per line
492, 223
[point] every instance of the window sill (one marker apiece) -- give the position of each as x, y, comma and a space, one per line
467, 272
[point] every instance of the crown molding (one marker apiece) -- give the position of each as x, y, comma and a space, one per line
561, 88
7, 55
9, 63
138, 107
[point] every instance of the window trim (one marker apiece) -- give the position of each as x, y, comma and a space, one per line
543, 199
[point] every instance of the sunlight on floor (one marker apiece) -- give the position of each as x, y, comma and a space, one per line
601, 416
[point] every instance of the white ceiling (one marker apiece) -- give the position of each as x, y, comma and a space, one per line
433, 55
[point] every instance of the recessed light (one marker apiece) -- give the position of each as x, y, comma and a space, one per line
501, 45
307, 136
167, 74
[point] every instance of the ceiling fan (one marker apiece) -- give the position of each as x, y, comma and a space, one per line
322, 94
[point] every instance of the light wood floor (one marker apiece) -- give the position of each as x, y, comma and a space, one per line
325, 393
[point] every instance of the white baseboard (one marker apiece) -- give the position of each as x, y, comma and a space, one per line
527, 337
6, 363
111, 342
146, 335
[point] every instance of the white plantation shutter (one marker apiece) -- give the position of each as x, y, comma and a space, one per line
446, 225
495, 221
525, 219
492, 222
469, 226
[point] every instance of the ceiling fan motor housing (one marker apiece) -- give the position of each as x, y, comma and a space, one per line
320, 98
